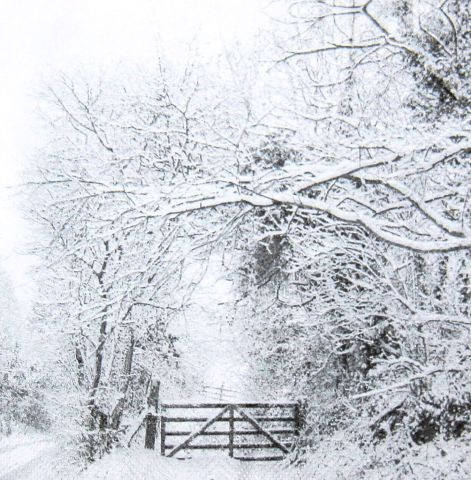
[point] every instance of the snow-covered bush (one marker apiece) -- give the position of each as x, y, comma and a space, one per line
22, 380
342, 457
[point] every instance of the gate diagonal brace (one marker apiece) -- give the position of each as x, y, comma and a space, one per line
189, 439
262, 430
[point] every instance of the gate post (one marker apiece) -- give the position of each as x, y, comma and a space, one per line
162, 436
231, 432
299, 417
151, 419
151, 430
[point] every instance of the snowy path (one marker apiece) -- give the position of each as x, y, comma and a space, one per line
145, 465
24, 461
42, 460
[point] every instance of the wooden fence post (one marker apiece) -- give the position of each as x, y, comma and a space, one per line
299, 417
151, 429
231, 432
162, 436
151, 419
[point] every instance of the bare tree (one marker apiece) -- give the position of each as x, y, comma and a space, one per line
112, 281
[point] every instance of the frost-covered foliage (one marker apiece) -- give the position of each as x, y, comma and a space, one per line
344, 318
112, 276
23, 399
343, 458
339, 179
349, 326
22, 380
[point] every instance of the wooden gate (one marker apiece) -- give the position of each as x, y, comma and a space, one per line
279, 423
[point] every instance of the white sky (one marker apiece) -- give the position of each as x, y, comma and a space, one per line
39, 37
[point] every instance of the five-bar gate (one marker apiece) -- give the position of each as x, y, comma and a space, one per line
249, 426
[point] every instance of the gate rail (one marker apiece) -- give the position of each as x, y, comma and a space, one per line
233, 414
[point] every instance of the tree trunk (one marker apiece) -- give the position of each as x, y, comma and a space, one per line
118, 410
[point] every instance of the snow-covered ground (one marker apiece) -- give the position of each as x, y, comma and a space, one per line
23, 456
144, 465
42, 459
